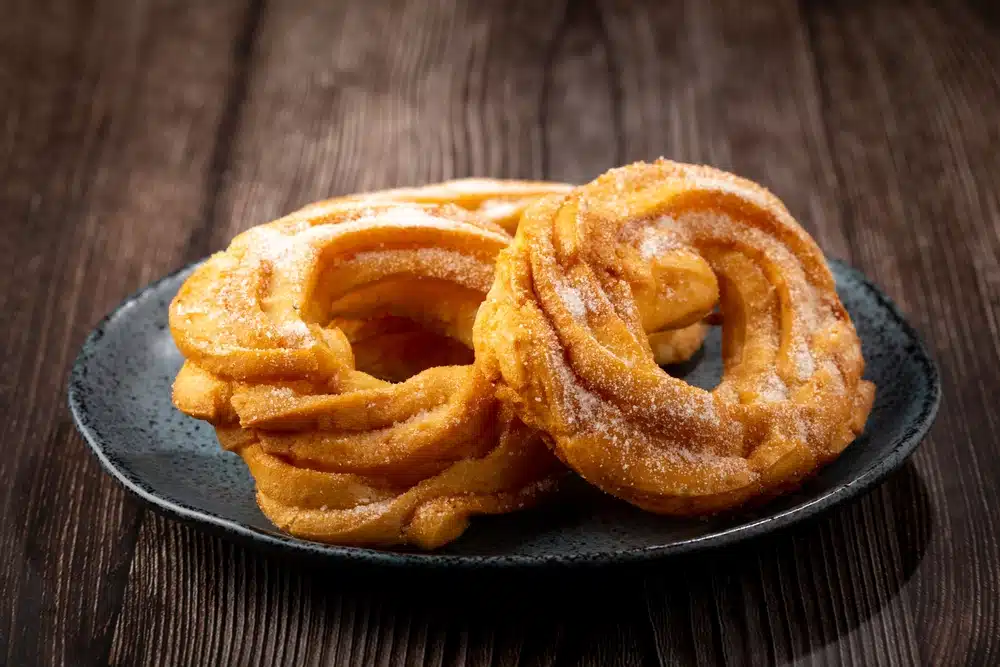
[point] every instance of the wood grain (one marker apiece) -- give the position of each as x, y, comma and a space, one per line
136, 136
108, 127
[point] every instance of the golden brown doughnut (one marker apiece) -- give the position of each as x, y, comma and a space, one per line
563, 332
338, 454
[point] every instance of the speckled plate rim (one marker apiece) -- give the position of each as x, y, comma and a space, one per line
287, 544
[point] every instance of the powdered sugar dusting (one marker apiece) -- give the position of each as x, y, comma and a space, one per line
404, 216
836, 378
804, 364
772, 388
655, 243
577, 395
295, 330
637, 451
283, 393
434, 262
283, 251
286, 250
573, 300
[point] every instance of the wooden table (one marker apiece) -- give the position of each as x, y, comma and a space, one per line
136, 136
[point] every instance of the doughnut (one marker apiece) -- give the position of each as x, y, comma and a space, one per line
564, 335
338, 454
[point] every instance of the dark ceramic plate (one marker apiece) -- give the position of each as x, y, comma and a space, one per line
119, 393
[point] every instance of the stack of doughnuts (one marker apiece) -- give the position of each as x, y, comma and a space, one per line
389, 364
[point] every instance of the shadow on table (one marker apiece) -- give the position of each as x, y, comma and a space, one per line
783, 596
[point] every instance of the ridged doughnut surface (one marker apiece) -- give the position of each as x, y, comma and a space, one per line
589, 274
500, 201
338, 454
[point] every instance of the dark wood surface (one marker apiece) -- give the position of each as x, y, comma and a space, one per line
137, 135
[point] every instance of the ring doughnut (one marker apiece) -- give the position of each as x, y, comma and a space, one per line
563, 333
338, 454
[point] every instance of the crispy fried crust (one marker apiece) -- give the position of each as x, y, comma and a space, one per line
501, 201
563, 333
338, 454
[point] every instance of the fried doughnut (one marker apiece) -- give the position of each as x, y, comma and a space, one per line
563, 328
500, 201
339, 455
